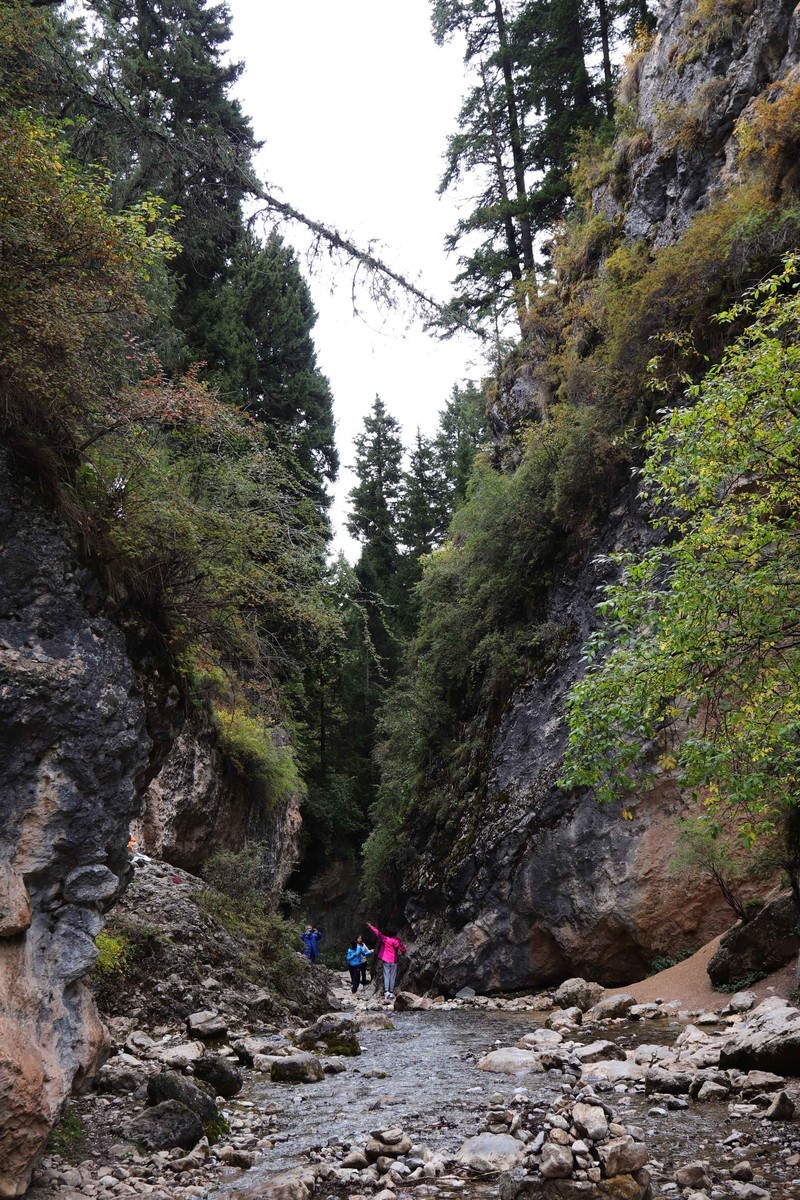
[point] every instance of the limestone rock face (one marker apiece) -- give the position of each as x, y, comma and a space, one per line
196, 804
74, 753
545, 884
689, 90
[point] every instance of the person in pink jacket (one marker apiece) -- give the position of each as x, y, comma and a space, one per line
389, 948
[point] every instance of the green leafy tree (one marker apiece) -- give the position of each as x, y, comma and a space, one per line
699, 653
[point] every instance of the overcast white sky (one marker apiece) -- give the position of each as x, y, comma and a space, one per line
354, 102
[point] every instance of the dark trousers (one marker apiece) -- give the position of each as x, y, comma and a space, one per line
355, 977
363, 970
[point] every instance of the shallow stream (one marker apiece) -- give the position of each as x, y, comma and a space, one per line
422, 1076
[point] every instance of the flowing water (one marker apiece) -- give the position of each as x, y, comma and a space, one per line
422, 1077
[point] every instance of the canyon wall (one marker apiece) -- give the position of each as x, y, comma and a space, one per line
543, 883
75, 753
88, 718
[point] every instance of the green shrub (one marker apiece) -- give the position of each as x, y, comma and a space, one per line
241, 875
67, 1138
114, 954
250, 744
663, 962
739, 985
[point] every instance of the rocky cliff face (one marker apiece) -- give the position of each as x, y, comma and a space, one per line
197, 803
543, 884
707, 64
74, 752
82, 731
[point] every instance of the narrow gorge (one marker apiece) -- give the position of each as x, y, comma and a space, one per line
214, 730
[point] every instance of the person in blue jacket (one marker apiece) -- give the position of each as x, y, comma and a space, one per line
311, 937
357, 954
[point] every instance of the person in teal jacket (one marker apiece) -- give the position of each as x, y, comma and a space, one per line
356, 955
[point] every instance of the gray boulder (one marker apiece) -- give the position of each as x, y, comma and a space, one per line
765, 943
489, 1152
599, 1051
296, 1068
117, 1079
610, 1007
218, 1073
577, 993
165, 1127
337, 1032
207, 1024
510, 1061
769, 1040
622, 1156
169, 1085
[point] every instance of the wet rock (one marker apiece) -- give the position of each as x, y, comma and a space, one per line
296, 1068
768, 1040
169, 1085
335, 1031
510, 1061
207, 1024
743, 1172
610, 1007
577, 993
599, 1052
165, 1127
490, 1152
220, 1074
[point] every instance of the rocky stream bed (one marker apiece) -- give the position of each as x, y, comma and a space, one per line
471, 1097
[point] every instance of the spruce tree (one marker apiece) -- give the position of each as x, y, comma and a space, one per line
151, 94
374, 514
264, 358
